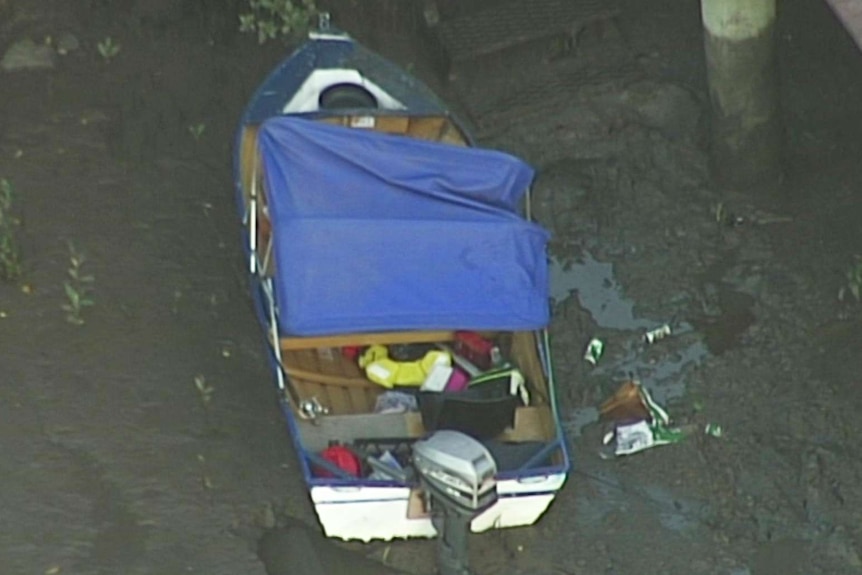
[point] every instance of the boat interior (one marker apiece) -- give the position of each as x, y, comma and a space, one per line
319, 371
316, 369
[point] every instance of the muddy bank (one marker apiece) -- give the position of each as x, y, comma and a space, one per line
114, 461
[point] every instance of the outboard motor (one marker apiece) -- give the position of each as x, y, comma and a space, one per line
457, 473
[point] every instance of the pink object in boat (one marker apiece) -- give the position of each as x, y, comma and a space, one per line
458, 380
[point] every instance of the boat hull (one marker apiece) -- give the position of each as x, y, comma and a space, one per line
306, 369
370, 512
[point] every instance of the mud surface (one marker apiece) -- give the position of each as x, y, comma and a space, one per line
115, 461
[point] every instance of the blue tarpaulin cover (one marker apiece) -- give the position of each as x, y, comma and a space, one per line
377, 232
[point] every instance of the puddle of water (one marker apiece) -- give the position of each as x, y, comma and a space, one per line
598, 292
660, 366
662, 378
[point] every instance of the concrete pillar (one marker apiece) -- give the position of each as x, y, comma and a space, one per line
746, 132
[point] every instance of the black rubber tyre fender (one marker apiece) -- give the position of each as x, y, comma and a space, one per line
346, 97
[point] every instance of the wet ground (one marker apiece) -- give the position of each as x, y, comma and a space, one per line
116, 461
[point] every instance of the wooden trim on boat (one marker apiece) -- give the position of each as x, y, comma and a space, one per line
535, 423
327, 379
524, 350
248, 157
318, 369
317, 434
435, 128
363, 339
532, 423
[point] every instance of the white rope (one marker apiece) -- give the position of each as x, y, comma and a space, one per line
266, 256
273, 328
252, 240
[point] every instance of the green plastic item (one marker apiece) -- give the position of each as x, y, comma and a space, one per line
594, 351
652, 432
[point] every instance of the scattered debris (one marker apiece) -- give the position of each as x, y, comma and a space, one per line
640, 423
386, 467
654, 335
395, 402
27, 55
853, 273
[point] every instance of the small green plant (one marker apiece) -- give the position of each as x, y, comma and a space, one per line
10, 258
205, 390
270, 19
854, 281
205, 393
108, 49
175, 306
719, 212
78, 287
197, 130
206, 480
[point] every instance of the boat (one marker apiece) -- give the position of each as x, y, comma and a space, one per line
382, 243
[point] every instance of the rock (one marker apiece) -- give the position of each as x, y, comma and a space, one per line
668, 108
27, 55
66, 42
